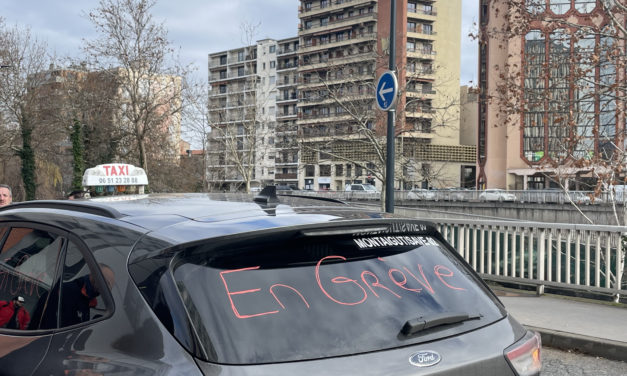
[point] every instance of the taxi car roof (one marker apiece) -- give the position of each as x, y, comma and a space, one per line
159, 210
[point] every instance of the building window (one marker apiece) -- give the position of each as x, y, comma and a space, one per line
339, 170
223, 60
560, 6
585, 6
272, 49
411, 27
324, 3
535, 6
223, 74
310, 170
272, 64
324, 21
325, 170
240, 71
222, 89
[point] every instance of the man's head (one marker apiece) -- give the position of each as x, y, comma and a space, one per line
6, 196
74, 195
18, 301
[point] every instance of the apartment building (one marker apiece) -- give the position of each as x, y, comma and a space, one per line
549, 113
98, 99
252, 106
344, 46
286, 140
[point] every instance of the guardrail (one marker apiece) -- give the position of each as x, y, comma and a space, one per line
528, 196
577, 257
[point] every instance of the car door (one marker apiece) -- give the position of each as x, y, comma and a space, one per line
83, 302
29, 260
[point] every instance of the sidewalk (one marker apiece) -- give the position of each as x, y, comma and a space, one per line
595, 328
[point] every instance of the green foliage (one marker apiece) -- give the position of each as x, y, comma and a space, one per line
78, 151
27, 155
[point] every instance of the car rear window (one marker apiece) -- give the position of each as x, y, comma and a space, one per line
296, 296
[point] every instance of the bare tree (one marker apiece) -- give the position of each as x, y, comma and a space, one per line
197, 119
570, 85
22, 57
133, 51
241, 128
358, 136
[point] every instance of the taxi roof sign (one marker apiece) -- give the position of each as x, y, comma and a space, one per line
114, 174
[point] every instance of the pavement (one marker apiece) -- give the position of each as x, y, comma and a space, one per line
588, 326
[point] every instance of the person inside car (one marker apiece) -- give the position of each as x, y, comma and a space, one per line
13, 315
80, 295
6, 196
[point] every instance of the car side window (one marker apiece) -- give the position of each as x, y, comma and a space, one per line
28, 261
81, 289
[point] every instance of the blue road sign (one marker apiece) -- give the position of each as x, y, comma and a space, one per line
387, 89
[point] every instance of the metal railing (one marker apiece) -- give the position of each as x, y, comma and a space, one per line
564, 255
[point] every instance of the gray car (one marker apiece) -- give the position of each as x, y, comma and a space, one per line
197, 284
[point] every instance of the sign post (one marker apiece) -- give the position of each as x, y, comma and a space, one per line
387, 92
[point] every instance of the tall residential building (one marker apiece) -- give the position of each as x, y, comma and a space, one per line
286, 140
344, 46
549, 113
252, 106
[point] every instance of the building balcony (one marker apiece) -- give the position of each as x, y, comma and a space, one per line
424, 53
418, 93
333, 5
422, 14
286, 116
281, 52
287, 66
424, 114
421, 35
338, 25
326, 63
424, 74
286, 176
353, 38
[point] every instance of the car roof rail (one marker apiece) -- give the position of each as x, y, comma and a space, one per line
328, 199
73, 205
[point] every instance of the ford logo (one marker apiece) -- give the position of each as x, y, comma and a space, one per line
425, 358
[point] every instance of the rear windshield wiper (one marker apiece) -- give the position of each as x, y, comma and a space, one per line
414, 326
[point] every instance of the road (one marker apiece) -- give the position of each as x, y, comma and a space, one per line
564, 363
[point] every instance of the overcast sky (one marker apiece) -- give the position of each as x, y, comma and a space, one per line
197, 27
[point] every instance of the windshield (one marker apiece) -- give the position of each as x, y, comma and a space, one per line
369, 187
323, 297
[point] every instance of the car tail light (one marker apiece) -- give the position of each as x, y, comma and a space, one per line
524, 355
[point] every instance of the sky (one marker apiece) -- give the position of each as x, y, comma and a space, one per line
195, 27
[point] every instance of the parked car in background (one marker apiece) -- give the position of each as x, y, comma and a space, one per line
285, 188
452, 194
420, 194
219, 284
493, 194
368, 188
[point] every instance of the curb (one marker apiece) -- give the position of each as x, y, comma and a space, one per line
606, 348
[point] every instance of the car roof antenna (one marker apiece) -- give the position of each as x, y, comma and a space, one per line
267, 195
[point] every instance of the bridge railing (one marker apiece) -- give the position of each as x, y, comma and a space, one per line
578, 256
541, 196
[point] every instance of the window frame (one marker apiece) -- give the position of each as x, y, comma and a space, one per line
91, 262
